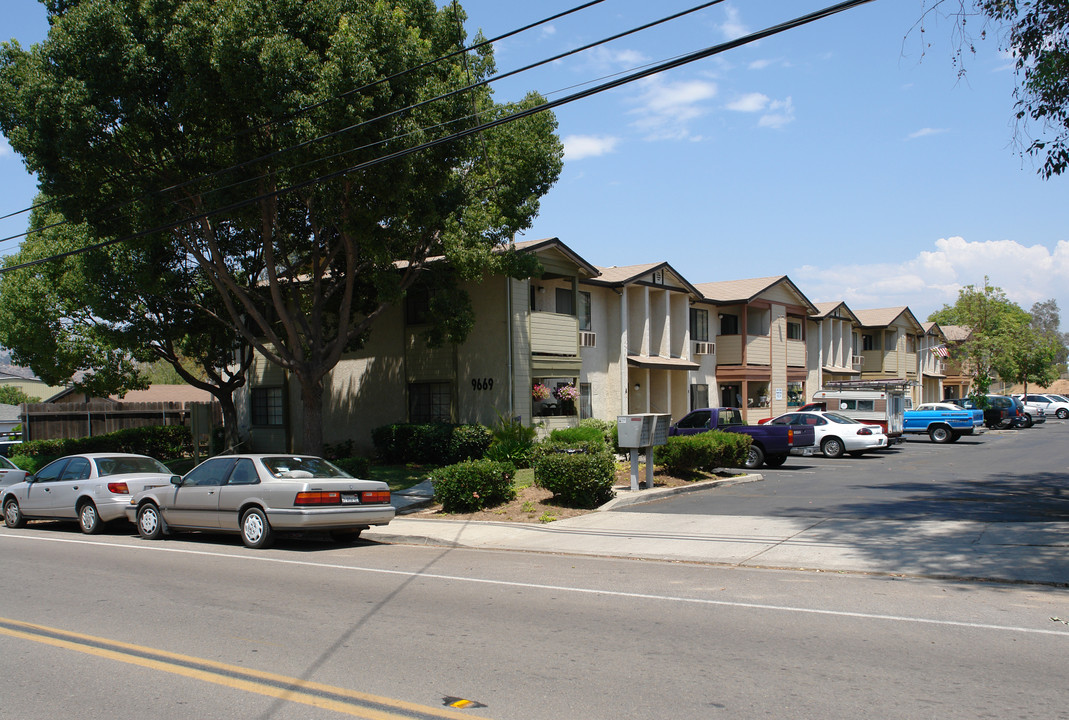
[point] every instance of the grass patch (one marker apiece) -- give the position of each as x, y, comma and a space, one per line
401, 477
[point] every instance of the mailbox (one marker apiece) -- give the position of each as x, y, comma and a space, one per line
642, 430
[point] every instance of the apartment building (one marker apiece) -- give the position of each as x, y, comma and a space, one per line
833, 342
889, 343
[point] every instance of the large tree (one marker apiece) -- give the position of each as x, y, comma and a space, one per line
92, 319
1046, 320
996, 323
354, 160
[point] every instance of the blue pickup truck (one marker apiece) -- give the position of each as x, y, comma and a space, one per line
771, 444
943, 422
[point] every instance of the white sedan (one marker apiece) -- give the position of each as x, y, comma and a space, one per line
837, 434
10, 473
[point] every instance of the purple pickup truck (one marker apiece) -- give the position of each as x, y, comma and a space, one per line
771, 443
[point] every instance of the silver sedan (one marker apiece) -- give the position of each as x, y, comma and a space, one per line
94, 488
10, 472
257, 495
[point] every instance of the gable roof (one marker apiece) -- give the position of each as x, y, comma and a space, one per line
553, 243
883, 317
627, 274
155, 393
827, 308
957, 333
729, 292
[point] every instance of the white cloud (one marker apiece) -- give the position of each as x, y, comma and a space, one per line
925, 132
733, 27
751, 102
780, 113
760, 64
605, 59
5, 149
667, 108
1026, 273
577, 147
549, 31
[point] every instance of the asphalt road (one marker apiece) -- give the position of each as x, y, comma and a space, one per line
121, 629
1001, 476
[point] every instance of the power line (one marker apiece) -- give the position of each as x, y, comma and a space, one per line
612, 84
392, 113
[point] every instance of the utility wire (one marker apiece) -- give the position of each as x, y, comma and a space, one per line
392, 113
612, 84
300, 111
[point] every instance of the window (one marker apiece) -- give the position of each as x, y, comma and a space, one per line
565, 301
699, 324
267, 406
699, 395
417, 306
794, 330
586, 408
795, 394
584, 310
51, 472
890, 340
758, 321
244, 473
862, 405
77, 469
729, 324
699, 419
911, 343
868, 342
209, 473
757, 395
429, 402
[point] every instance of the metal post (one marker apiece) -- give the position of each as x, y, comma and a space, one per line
634, 469
649, 467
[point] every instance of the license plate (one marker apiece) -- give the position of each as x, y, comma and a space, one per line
349, 499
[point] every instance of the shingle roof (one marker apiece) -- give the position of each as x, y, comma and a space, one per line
739, 291
827, 308
632, 273
882, 317
956, 333
9, 413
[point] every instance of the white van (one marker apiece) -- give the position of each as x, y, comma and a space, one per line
883, 407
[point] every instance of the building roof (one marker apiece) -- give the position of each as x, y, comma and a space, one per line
556, 244
10, 413
155, 393
882, 317
827, 308
626, 274
16, 372
656, 362
743, 291
956, 333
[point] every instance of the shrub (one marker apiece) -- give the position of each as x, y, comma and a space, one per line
159, 441
581, 434
473, 485
512, 442
685, 454
469, 442
607, 428
31, 464
578, 474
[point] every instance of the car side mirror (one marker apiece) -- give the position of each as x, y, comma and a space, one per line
176, 479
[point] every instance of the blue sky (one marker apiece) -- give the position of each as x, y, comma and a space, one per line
847, 154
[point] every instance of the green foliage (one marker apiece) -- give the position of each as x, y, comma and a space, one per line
472, 485
579, 475
300, 250
512, 442
160, 442
431, 443
30, 464
11, 395
685, 454
581, 434
359, 467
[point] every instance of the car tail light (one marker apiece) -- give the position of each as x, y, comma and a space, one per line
375, 496
119, 488
318, 497
790, 436
864, 431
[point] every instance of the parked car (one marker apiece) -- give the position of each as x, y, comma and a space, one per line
257, 495
10, 472
1027, 417
943, 421
770, 445
1050, 404
836, 434
94, 489
1001, 412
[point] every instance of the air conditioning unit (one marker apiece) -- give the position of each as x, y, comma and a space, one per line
857, 360
704, 348
588, 339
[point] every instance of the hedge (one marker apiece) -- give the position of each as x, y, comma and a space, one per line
159, 441
578, 474
685, 454
472, 485
430, 443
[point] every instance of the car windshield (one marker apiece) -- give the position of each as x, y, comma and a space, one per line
121, 465
7, 464
1058, 398
837, 418
289, 466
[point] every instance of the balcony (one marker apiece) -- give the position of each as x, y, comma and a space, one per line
554, 334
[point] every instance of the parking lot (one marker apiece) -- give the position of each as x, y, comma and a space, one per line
1001, 476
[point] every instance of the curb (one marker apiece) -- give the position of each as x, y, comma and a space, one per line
645, 496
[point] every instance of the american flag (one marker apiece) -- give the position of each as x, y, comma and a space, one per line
941, 351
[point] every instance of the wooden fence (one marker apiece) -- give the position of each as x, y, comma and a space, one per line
49, 421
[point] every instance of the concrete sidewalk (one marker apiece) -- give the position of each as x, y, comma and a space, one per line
1008, 552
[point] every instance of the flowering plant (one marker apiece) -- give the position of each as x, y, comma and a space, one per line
540, 392
567, 392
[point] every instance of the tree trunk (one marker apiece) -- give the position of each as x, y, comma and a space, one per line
230, 421
312, 422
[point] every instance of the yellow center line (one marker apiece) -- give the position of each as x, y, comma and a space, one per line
290, 692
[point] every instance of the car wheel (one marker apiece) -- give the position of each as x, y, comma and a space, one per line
255, 530
1026, 421
1062, 413
88, 519
1005, 424
149, 522
755, 457
832, 447
939, 434
13, 517
775, 460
